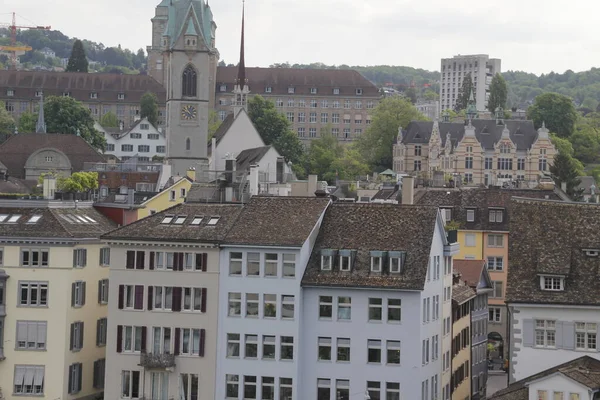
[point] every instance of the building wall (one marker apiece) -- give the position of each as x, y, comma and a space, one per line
118, 362
527, 359
559, 383
241, 136
479, 369
498, 276
447, 338
157, 146
162, 200
463, 390
59, 314
470, 252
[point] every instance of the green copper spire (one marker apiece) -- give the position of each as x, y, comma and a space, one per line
471, 107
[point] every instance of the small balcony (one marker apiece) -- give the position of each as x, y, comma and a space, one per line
452, 247
157, 361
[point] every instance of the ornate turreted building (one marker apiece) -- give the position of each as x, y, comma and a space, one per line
183, 58
482, 151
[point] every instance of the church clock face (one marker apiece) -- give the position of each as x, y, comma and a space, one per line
189, 112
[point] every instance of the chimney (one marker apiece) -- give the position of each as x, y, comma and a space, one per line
49, 186
312, 185
130, 197
408, 190
253, 179
563, 186
121, 126
191, 173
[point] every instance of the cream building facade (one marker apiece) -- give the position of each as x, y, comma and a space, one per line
482, 152
53, 296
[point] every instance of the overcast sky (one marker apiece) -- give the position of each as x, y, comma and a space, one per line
536, 36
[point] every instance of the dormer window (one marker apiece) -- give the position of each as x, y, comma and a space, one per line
336, 90
377, 261
592, 252
447, 214
66, 94
93, 95
268, 89
396, 261
313, 90
121, 96
223, 88
471, 215
359, 92
39, 93
496, 215
10, 93
345, 260
327, 259
552, 283
291, 90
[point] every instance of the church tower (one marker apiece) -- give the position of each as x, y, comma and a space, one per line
241, 90
183, 57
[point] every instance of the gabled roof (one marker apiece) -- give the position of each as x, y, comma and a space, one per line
152, 227
462, 293
550, 238
18, 148
363, 228
584, 370
16, 186
223, 128
250, 156
480, 199
302, 80
68, 223
522, 133
277, 221
472, 272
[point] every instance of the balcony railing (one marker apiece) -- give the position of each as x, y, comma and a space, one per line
157, 361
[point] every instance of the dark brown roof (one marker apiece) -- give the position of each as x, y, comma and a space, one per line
365, 227
16, 186
469, 270
462, 293
482, 200
151, 228
277, 221
585, 370
18, 148
54, 222
302, 80
250, 156
79, 85
548, 237
387, 193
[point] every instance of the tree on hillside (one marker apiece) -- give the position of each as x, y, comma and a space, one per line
27, 122
411, 94
68, 116
556, 110
109, 120
274, 128
149, 108
498, 93
322, 154
351, 165
586, 144
375, 145
78, 61
7, 123
567, 169
462, 98
213, 123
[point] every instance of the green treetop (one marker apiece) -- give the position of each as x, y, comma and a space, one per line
78, 61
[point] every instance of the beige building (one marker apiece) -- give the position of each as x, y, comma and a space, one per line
483, 152
311, 99
53, 299
462, 299
162, 331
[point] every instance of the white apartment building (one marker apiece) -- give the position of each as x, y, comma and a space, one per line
373, 300
552, 298
142, 140
162, 330
53, 296
453, 70
260, 324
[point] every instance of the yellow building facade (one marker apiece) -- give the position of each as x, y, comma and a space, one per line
168, 197
462, 296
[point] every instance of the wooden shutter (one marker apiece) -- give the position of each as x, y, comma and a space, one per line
119, 338
80, 335
98, 333
130, 259
176, 299
121, 296
181, 258
528, 333
79, 376
204, 262
100, 291
152, 254
203, 300
140, 260
175, 261
138, 302
74, 265
96, 369
143, 346
84, 259
71, 378
83, 293
150, 297
177, 334
202, 341
71, 337
198, 261
73, 295
568, 335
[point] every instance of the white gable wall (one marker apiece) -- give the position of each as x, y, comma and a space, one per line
242, 135
154, 144
558, 383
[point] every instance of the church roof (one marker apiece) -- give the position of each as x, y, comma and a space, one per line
250, 156
488, 133
182, 13
224, 127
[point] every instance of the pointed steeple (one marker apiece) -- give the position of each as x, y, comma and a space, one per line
40, 127
471, 106
240, 89
241, 79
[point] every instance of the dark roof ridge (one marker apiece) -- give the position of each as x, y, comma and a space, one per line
524, 200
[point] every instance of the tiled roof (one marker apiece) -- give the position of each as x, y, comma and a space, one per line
387, 194
250, 156
469, 270
586, 184
374, 227
462, 293
522, 133
277, 221
585, 370
16, 186
79, 85
18, 148
482, 200
302, 80
54, 222
152, 227
548, 237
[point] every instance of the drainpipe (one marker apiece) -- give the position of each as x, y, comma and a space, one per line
509, 320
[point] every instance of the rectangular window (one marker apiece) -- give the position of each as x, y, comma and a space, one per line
101, 326
127, 148
232, 386
268, 347
496, 215
251, 346
233, 345
494, 314
34, 257
301, 117
418, 150
470, 215
253, 264
335, 118
375, 309
269, 305
287, 348
585, 335
103, 291
469, 162
99, 373
285, 388
104, 257
313, 118
132, 339
161, 149
252, 305
489, 163
29, 380
325, 307
324, 117
235, 304
192, 299
498, 291
394, 310
249, 387
188, 386
130, 384
344, 311
545, 333
324, 353
342, 389
495, 263
33, 294
287, 307
469, 239
163, 297
75, 375
76, 336
79, 258
143, 148
343, 350
235, 263
326, 262
289, 265
31, 335
554, 283
393, 352
191, 341
417, 165
323, 389
78, 294
495, 240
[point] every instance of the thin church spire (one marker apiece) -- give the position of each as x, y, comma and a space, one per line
40, 127
241, 79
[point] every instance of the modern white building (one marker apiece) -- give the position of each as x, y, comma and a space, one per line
372, 304
453, 70
552, 298
260, 322
142, 140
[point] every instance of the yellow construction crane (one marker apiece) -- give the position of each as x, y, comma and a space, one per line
13, 48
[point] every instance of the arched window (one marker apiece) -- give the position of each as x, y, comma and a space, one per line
188, 144
189, 82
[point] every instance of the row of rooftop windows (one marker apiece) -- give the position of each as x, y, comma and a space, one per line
196, 220
292, 90
342, 260
40, 93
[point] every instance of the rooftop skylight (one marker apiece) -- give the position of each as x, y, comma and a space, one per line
167, 219
180, 219
34, 219
213, 220
14, 218
196, 220
3, 217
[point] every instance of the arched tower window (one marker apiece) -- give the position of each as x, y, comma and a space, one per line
188, 144
189, 82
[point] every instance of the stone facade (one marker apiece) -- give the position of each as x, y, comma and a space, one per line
483, 152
